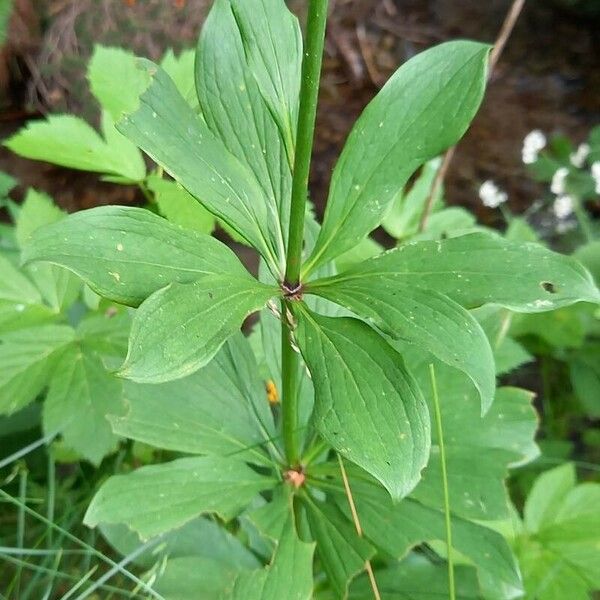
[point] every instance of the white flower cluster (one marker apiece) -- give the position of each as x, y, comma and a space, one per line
596, 175
534, 142
563, 206
491, 195
578, 157
558, 181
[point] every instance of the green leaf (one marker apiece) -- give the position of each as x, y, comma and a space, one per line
70, 142
7, 184
342, 552
135, 252
402, 220
236, 112
424, 318
80, 396
415, 578
180, 328
158, 498
115, 80
479, 450
200, 537
559, 549
584, 370
179, 207
15, 287
38, 209
273, 43
478, 269
221, 409
423, 109
27, 359
289, 575
367, 406
395, 528
173, 135
181, 70
194, 577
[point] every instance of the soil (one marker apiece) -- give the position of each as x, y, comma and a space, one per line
547, 78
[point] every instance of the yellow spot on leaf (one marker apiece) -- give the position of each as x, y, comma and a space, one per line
272, 393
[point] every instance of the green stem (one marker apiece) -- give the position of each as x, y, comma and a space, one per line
290, 371
583, 221
309, 95
440, 434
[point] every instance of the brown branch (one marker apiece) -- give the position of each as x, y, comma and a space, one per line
505, 31
358, 527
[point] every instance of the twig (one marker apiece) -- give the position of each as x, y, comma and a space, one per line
505, 31
358, 527
367, 54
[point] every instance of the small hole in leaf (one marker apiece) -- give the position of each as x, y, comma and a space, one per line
549, 287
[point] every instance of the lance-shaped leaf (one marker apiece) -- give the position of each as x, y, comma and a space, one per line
69, 141
367, 405
424, 318
180, 328
80, 396
27, 359
288, 576
478, 269
273, 43
397, 527
342, 552
158, 498
126, 254
221, 409
423, 109
235, 110
173, 135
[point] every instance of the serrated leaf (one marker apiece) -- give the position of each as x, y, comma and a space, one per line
559, 547
135, 252
15, 287
478, 269
288, 576
179, 207
342, 552
175, 137
70, 142
80, 397
424, 108
367, 405
27, 359
180, 328
115, 80
221, 409
158, 498
38, 209
425, 318
180, 68
236, 112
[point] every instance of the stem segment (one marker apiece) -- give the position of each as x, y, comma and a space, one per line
309, 94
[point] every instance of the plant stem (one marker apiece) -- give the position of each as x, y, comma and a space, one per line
309, 95
440, 434
290, 369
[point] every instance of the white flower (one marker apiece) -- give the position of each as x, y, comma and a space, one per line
578, 157
558, 181
596, 175
563, 206
532, 144
491, 195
